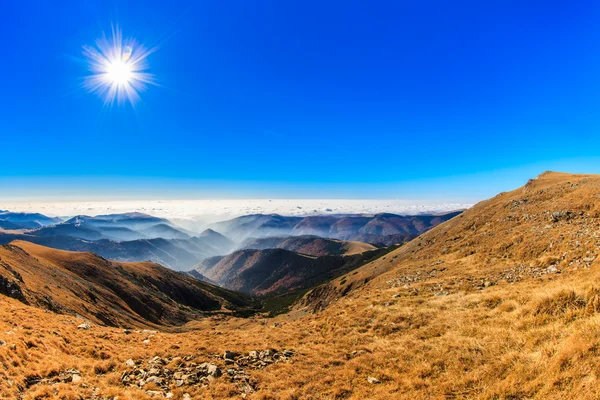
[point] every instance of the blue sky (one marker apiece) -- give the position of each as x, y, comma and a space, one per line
401, 99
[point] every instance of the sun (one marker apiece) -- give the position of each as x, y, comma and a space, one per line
119, 72
119, 69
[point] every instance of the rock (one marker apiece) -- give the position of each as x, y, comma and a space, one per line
230, 355
154, 372
127, 331
276, 325
84, 326
2, 343
190, 379
155, 379
130, 363
213, 370
288, 353
589, 259
157, 360
373, 380
154, 393
76, 378
169, 395
253, 354
552, 269
186, 396
146, 341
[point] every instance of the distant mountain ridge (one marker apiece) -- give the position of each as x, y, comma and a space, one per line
21, 220
383, 229
308, 245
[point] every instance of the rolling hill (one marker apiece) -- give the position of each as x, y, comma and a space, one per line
108, 292
275, 271
308, 245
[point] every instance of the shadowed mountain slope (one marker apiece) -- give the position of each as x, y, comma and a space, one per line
274, 271
108, 292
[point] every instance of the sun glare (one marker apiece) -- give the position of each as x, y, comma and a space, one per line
118, 69
119, 72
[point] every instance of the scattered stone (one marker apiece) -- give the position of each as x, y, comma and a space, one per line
127, 331
213, 370
2, 343
68, 376
84, 326
372, 380
552, 269
188, 372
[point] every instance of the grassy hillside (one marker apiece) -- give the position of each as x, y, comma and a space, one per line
108, 292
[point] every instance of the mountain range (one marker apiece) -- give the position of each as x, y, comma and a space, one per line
142, 237
383, 229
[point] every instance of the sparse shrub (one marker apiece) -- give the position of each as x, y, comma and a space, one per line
507, 306
560, 303
492, 302
593, 302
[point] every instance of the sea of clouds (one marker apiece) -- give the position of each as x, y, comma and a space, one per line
200, 212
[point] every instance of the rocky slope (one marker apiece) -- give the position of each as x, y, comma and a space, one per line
548, 223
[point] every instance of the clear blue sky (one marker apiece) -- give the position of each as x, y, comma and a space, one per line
449, 100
